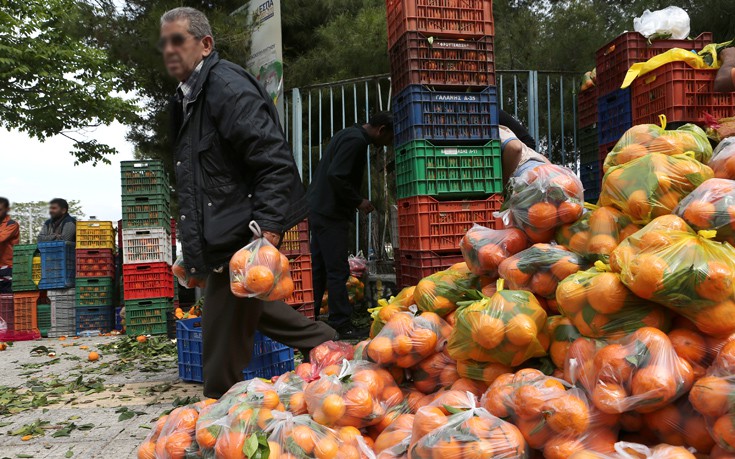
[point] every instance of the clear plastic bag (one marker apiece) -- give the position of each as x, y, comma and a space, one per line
540, 268
678, 424
652, 185
723, 159
711, 207
682, 271
465, 431
407, 339
626, 450
669, 23
185, 278
355, 290
550, 415
601, 306
484, 249
543, 199
434, 372
358, 396
394, 441
290, 389
562, 333
502, 329
358, 264
259, 270
382, 313
694, 346
173, 435
481, 371
643, 139
440, 292
597, 233
639, 373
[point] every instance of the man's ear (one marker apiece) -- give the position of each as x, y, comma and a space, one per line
208, 45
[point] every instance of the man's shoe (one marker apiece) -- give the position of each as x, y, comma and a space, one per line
351, 333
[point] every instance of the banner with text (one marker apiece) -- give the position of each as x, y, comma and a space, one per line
266, 52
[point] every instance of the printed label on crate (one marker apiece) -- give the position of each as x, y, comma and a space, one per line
454, 44
460, 151
455, 98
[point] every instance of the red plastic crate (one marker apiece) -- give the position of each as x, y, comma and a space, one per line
173, 236
24, 311
587, 107
95, 263
307, 310
425, 223
296, 240
147, 280
416, 265
615, 58
7, 309
442, 63
450, 18
680, 92
303, 292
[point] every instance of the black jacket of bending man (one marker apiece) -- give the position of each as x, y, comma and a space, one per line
233, 165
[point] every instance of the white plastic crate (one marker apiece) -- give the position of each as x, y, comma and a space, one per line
146, 245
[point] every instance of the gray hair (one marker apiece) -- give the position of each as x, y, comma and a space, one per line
198, 22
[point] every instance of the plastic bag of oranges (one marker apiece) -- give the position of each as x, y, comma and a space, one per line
597, 233
440, 292
679, 424
723, 159
683, 271
601, 306
694, 346
464, 431
259, 270
641, 372
502, 329
394, 441
355, 290
652, 186
184, 277
540, 268
562, 333
173, 435
358, 395
711, 207
481, 371
385, 309
484, 249
627, 450
407, 339
643, 139
433, 373
551, 416
713, 397
543, 199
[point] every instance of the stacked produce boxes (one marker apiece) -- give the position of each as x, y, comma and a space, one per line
649, 96
148, 284
57, 281
19, 309
589, 156
296, 247
95, 283
446, 115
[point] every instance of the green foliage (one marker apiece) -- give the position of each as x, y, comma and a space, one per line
56, 80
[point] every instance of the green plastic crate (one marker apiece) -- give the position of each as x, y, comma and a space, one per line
425, 169
587, 143
144, 178
146, 212
94, 291
147, 317
43, 317
23, 268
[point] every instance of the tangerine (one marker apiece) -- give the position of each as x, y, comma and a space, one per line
240, 260
655, 384
718, 320
638, 206
259, 279
700, 214
229, 445
710, 396
543, 284
326, 448
569, 212
718, 285
426, 420
303, 436
630, 153
542, 216
177, 443
606, 293
488, 331
147, 450
567, 415
723, 432
689, 345
521, 330
380, 350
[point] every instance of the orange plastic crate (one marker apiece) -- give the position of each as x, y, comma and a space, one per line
303, 293
24, 305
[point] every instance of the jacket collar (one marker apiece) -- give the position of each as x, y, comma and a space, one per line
209, 62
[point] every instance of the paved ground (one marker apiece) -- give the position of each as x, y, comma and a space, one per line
48, 392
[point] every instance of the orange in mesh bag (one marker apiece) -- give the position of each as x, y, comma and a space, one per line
259, 270
668, 263
652, 185
643, 139
552, 416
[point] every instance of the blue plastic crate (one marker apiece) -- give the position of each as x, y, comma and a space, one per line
615, 115
270, 358
58, 265
93, 318
118, 319
591, 176
587, 144
422, 114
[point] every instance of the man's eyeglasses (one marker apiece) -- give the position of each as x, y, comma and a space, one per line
176, 40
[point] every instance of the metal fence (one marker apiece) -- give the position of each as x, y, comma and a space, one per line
545, 102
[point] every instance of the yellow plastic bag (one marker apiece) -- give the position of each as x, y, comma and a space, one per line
673, 55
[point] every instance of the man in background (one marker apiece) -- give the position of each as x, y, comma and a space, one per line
9, 236
334, 197
61, 226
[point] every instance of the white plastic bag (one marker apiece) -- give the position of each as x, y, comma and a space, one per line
358, 264
259, 270
671, 22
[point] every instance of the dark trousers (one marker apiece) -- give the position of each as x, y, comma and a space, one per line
6, 280
330, 267
228, 332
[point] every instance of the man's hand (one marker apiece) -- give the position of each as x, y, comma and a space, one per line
366, 207
273, 238
727, 55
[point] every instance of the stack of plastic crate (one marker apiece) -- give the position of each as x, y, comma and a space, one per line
63, 319
589, 156
446, 114
148, 284
95, 270
652, 95
295, 246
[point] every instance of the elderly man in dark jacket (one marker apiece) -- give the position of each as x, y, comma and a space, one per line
233, 166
